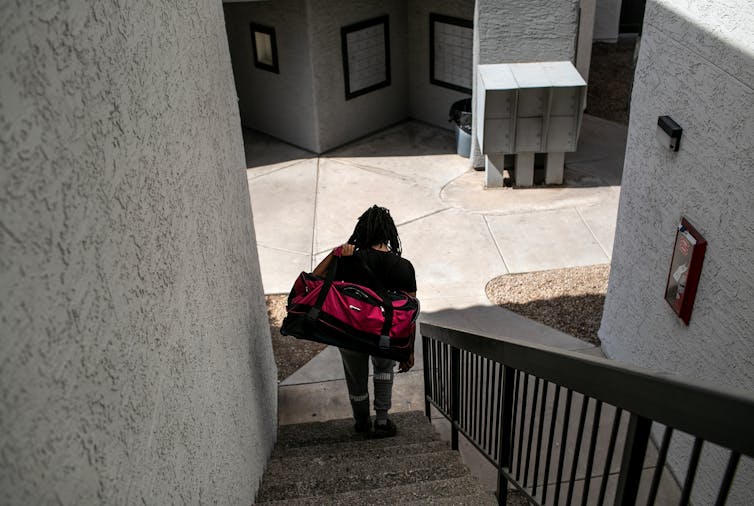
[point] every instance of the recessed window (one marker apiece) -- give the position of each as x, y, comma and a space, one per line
366, 56
451, 52
265, 47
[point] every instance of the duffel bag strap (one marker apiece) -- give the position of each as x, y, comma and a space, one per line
329, 277
384, 343
387, 304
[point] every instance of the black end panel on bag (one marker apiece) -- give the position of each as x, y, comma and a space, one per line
301, 326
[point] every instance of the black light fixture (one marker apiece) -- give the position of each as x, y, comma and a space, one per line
669, 133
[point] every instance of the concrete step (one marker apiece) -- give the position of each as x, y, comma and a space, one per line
350, 441
452, 489
328, 463
479, 498
314, 457
410, 425
347, 475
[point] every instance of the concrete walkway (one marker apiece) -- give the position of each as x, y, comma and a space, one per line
458, 235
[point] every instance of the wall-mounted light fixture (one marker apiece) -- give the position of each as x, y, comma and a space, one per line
669, 133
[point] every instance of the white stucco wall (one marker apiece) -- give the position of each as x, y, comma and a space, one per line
429, 102
696, 64
341, 120
136, 364
282, 104
607, 20
520, 31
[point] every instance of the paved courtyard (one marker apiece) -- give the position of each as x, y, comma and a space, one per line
457, 234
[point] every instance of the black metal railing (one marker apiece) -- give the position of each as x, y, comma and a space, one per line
563, 427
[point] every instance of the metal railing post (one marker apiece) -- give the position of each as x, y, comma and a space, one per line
427, 365
634, 451
455, 395
506, 439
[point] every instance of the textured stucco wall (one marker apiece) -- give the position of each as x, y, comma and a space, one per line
281, 105
523, 31
520, 31
341, 120
607, 20
585, 38
429, 102
136, 365
696, 65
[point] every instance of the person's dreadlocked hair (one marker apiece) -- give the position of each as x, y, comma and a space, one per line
374, 227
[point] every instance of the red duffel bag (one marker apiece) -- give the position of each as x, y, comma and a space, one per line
370, 320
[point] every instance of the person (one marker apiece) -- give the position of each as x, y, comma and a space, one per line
374, 242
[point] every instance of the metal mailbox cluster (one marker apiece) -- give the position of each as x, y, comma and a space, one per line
528, 108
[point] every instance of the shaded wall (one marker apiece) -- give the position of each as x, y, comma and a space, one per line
136, 363
607, 20
279, 104
305, 104
429, 102
341, 120
695, 65
521, 31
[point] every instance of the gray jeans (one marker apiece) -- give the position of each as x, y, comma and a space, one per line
356, 367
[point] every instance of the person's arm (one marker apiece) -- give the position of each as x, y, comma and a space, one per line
344, 250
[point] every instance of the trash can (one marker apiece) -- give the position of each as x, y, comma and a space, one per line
460, 115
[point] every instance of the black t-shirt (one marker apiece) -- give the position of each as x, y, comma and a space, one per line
395, 273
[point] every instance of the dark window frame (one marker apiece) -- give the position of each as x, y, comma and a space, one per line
435, 18
270, 31
344, 31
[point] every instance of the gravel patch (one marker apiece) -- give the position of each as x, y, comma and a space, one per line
569, 300
611, 76
290, 353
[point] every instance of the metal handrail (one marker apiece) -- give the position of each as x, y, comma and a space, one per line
478, 383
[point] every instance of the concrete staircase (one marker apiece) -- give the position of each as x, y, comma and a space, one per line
328, 463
